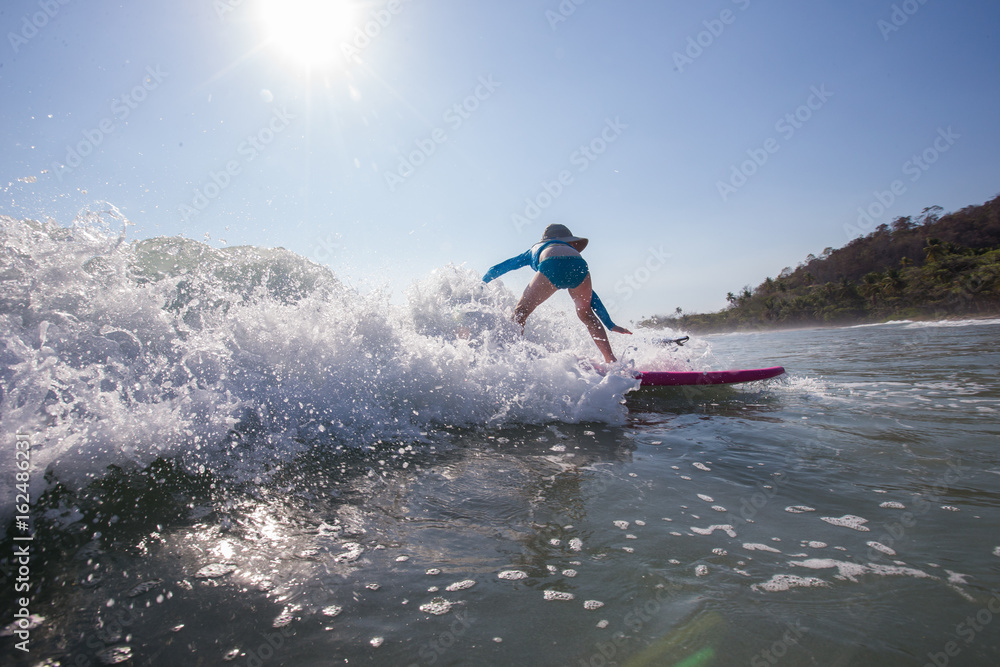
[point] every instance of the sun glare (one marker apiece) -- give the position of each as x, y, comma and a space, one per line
309, 32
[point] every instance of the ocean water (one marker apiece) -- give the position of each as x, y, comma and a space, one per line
236, 458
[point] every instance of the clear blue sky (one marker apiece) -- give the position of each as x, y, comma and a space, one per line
165, 97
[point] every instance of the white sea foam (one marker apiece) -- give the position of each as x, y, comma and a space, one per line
726, 528
784, 582
952, 324
119, 353
558, 595
848, 521
851, 571
460, 585
878, 546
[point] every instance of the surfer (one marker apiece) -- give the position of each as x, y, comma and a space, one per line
559, 265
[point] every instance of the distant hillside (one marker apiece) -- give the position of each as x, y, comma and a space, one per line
929, 267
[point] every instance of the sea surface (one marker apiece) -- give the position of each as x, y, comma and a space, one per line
238, 459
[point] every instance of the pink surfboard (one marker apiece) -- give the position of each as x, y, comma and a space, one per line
680, 378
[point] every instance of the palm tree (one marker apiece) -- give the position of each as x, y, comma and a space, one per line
870, 286
934, 250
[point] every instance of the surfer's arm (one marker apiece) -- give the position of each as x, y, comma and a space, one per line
524, 259
602, 313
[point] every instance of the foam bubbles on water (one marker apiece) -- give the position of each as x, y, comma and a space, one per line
437, 606
512, 575
848, 521
29, 623
784, 582
623, 525
352, 551
576, 544
996, 552
591, 605
851, 571
707, 499
752, 546
214, 571
701, 466
115, 655
892, 505
285, 618
558, 595
726, 528
799, 509
144, 587
460, 585
878, 546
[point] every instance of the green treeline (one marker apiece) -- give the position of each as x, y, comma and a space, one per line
934, 266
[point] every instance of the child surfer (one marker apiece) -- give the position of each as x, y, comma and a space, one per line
559, 265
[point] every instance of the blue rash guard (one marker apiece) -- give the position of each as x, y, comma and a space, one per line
530, 258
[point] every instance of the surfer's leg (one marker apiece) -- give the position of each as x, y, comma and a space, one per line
538, 290
581, 299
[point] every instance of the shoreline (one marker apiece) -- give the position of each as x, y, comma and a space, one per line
678, 327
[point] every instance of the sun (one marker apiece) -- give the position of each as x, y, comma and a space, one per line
309, 32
